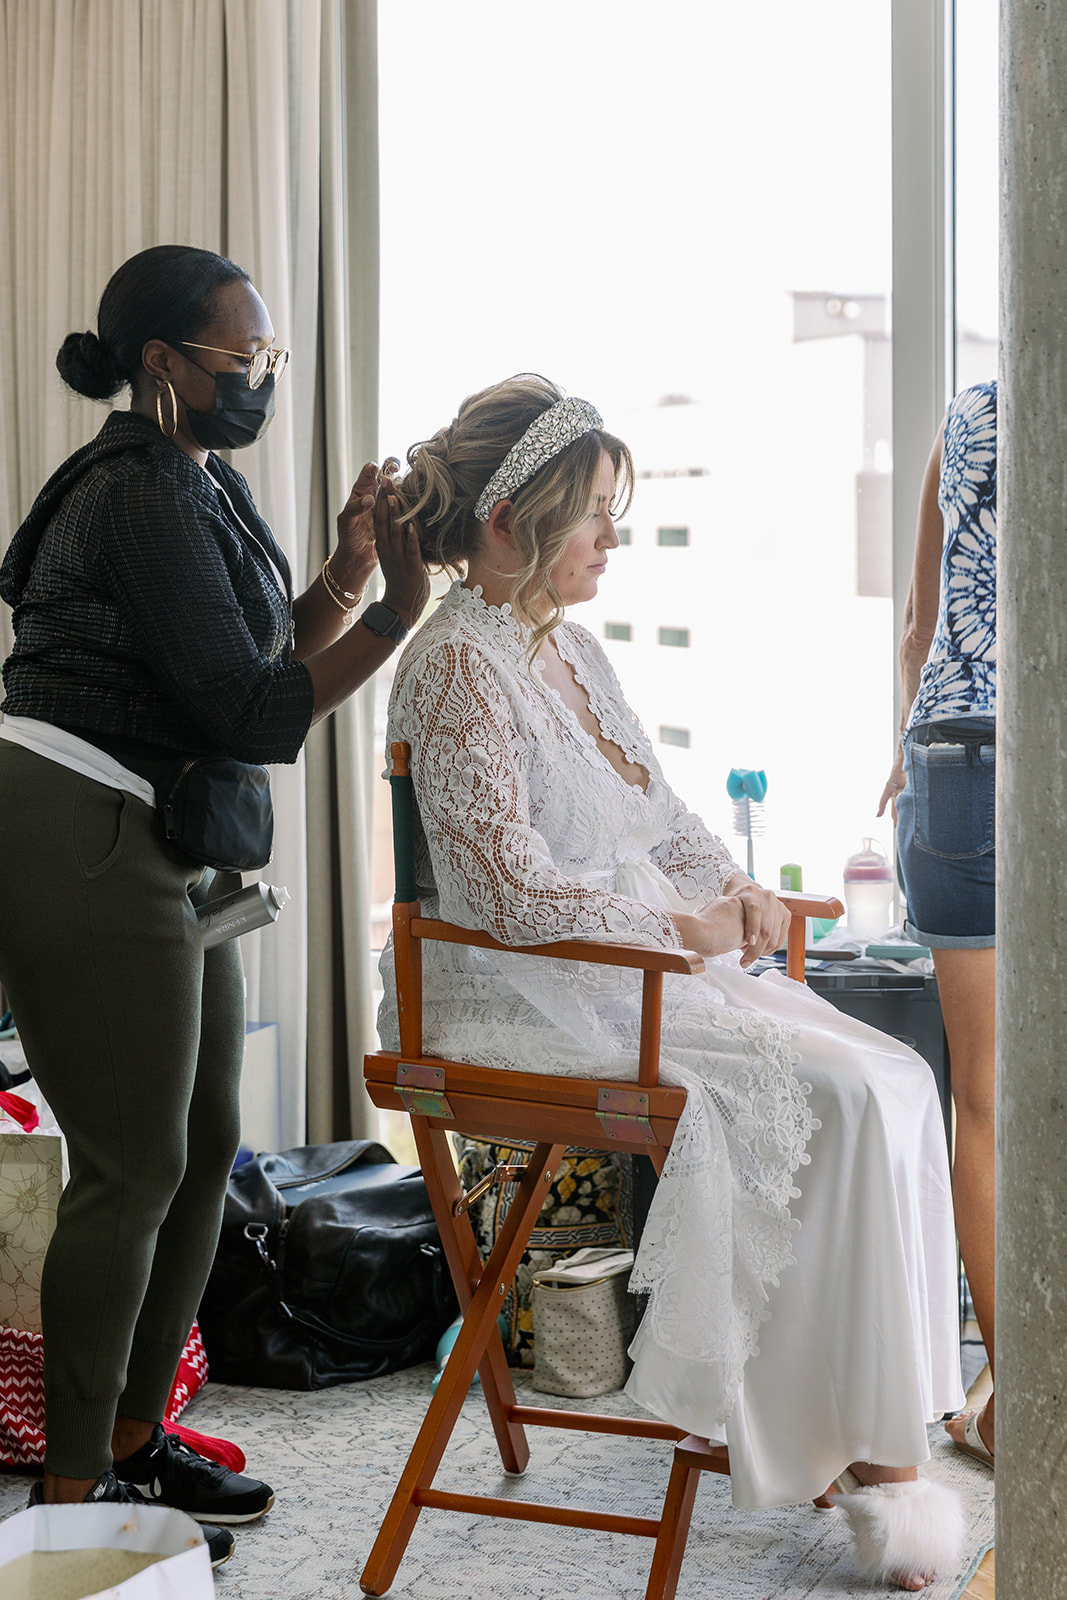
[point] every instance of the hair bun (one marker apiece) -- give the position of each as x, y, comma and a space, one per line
85, 366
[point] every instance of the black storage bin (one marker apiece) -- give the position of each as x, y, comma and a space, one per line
903, 1004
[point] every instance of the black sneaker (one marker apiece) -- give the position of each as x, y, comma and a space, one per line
219, 1541
166, 1471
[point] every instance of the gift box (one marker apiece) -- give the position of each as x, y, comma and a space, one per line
31, 1177
104, 1552
31, 1180
22, 1399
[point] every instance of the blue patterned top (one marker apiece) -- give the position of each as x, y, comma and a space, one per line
960, 675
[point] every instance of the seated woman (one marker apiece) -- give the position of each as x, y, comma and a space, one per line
799, 1252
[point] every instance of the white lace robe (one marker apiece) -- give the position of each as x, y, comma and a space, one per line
528, 832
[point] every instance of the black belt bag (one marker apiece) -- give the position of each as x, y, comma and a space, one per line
219, 812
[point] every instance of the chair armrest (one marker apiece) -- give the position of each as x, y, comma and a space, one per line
649, 958
812, 905
799, 907
651, 961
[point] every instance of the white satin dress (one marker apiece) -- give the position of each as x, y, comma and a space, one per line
799, 1253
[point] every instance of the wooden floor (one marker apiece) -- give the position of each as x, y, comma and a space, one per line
981, 1585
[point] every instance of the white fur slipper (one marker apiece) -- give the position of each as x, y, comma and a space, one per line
902, 1530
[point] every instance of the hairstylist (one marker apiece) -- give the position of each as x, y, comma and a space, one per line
154, 621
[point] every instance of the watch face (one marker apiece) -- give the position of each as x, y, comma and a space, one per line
384, 622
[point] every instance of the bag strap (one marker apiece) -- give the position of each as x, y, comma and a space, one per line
257, 1233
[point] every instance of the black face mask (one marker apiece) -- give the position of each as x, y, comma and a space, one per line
241, 414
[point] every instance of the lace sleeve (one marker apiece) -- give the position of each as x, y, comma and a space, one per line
470, 763
696, 860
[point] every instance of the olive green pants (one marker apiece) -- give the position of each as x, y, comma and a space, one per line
135, 1035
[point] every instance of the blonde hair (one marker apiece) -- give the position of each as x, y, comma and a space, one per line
447, 474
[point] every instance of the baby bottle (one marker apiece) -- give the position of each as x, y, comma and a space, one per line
868, 892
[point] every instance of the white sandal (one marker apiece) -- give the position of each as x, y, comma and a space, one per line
972, 1443
902, 1530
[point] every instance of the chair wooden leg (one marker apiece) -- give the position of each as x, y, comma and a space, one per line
479, 1328
691, 1457
673, 1532
465, 1265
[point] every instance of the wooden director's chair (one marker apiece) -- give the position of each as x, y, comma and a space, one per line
444, 1097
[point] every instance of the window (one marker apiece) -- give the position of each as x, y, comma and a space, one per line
618, 630
679, 637
755, 388
678, 736
976, 192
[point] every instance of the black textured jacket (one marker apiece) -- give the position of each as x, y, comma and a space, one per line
143, 612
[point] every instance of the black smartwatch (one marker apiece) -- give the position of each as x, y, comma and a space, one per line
384, 622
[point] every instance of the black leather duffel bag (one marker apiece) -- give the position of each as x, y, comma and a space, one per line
329, 1269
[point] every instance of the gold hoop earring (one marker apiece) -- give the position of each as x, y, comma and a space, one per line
160, 386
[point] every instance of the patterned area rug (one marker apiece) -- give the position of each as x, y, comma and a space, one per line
334, 1456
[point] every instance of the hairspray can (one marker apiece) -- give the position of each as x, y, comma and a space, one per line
237, 913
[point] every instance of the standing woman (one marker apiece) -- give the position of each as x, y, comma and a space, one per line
154, 622
943, 786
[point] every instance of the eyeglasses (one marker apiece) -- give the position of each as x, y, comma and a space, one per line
259, 365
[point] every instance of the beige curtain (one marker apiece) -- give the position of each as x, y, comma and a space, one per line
221, 123
341, 761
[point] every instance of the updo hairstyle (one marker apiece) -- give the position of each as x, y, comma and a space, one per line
447, 474
167, 292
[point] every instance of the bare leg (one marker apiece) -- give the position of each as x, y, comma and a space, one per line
65, 1491
966, 983
127, 1437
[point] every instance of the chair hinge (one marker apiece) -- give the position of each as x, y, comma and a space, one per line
421, 1090
624, 1111
503, 1172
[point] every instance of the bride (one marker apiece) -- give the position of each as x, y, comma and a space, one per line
799, 1253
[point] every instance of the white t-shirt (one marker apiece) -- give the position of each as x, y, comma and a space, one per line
67, 750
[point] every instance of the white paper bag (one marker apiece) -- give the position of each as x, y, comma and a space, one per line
94, 1531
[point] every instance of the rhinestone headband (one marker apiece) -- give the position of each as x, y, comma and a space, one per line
546, 436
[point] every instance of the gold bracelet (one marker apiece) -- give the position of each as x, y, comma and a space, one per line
341, 597
335, 588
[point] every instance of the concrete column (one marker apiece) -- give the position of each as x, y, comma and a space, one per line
1032, 809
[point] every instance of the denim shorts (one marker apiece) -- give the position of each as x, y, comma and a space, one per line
945, 833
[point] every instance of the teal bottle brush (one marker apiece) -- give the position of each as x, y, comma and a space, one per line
747, 789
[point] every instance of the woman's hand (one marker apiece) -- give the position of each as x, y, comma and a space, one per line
407, 584
355, 558
715, 929
745, 918
766, 918
895, 782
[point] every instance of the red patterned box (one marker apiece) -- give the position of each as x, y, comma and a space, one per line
22, 1392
